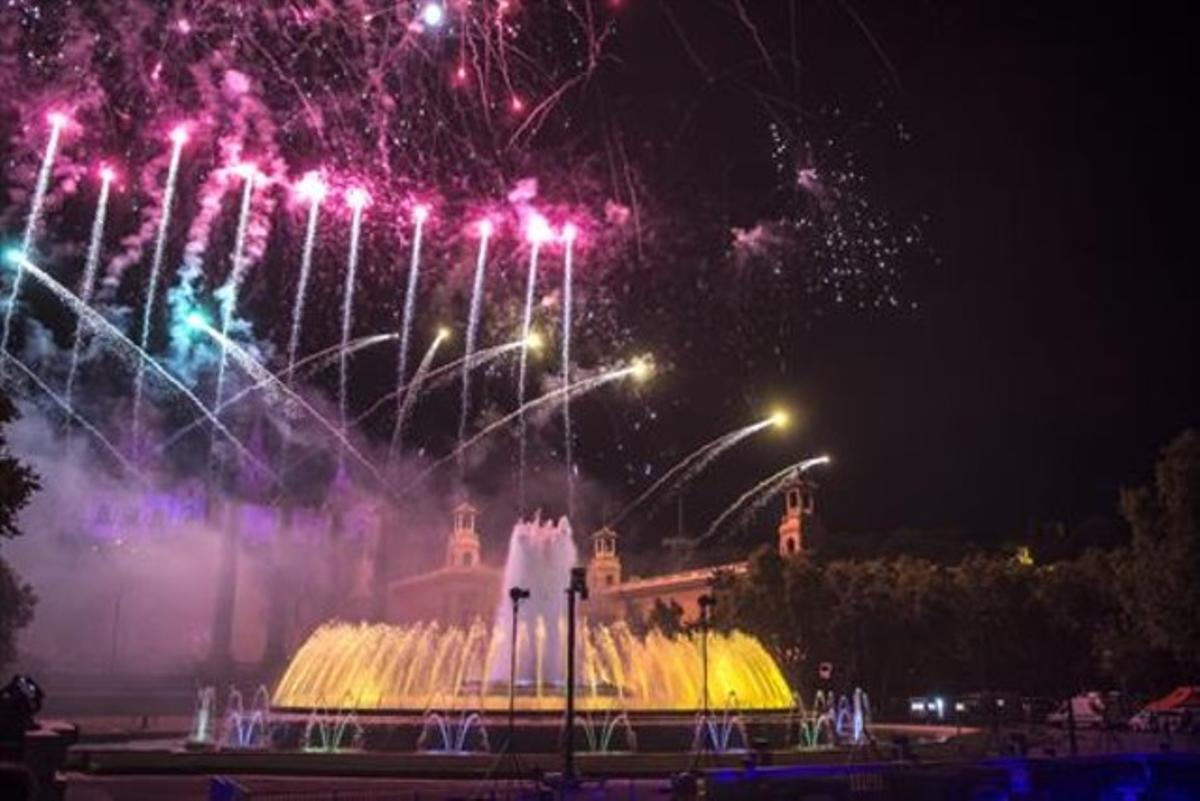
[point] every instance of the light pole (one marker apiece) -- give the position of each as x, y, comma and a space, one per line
516, 595
576, 588
707, 602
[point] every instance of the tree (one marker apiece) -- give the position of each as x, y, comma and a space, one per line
1164, 592
17, 485
666, 618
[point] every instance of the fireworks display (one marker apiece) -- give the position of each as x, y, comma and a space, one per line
306, 173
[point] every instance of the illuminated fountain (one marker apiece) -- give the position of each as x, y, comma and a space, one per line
412, 667
247, 728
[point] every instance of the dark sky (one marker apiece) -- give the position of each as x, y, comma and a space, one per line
1041, 150
1054, 346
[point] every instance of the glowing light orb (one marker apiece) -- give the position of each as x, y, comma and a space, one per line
357, 198
107, 173
570, 232
486, 228
196, 320
780, 418
537, 230
311, 188
57, 119
534, 342
443, 332
517, 104
246, 170
179, 135
420, 213
433, 15
642, 369
13, 256
819, 460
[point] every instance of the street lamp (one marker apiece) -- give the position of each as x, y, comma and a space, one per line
707, 603
577, 588
516, 595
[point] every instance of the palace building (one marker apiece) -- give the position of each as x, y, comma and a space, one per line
465, 588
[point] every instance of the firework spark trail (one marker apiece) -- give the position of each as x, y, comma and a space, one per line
485, 231
178, 138
580, 387
693, 464
62, 403
348, 310
411, 392
310, 241
568, 269
761, 491
45, 172
420, 214
88, 283
440, 376
236, 276
264, 378
96, 320
314, 362
526, 323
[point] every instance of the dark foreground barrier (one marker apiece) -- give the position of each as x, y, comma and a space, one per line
1122, 777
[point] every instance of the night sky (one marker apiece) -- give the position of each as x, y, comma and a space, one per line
1053, 347
1019, 359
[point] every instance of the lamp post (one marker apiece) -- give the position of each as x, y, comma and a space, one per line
707, 602
516, 595
576, 588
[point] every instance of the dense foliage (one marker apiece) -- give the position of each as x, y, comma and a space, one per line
17, 484
1124, 617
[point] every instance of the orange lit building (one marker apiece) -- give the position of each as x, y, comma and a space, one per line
465, 587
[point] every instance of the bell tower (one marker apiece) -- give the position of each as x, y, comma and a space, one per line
797, 506
462, 551
604, 568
